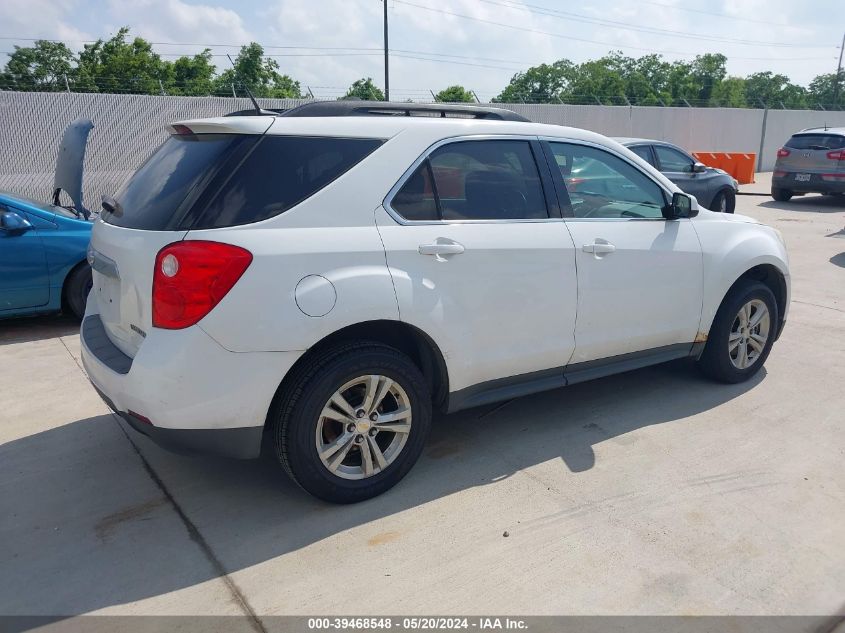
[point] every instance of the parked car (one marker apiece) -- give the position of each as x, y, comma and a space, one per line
715, 189
811, 161
43, 265
305, 281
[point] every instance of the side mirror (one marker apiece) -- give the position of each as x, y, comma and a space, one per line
681, 207
12, 223
699, 168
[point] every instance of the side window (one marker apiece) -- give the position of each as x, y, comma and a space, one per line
644, 152
279, 173
415, 200
475, 180
602, 185
673, 160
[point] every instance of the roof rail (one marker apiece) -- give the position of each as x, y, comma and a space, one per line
386, 108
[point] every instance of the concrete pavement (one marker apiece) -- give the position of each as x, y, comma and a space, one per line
653, 492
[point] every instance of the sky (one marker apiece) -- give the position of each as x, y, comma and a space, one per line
328, 44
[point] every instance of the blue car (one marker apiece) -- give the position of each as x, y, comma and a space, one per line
43, 247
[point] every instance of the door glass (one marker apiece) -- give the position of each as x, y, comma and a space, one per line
415, 200
601, 185
488, 180
644, 152
673, 160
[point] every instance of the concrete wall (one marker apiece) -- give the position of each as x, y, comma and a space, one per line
129, 127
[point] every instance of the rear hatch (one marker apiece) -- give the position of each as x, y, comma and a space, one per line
203, 177
812, 156
151, 210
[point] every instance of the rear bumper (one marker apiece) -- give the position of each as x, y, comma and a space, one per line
815, 185
242, 443
197, 396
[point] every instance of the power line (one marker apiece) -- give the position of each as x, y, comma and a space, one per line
566, 37
579, 17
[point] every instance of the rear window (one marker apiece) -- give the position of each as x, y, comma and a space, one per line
278, 174
154, 196
217, 180
822, 142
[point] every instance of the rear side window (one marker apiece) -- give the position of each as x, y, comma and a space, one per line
822, 142
644, 152
278, 174
475, 180
157, 193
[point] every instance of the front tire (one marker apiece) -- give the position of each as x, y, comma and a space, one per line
352, 422
742, 333
781, 195
77, 286
724, 202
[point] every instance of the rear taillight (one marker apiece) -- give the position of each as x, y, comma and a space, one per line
837, 155
192, 277
783, 152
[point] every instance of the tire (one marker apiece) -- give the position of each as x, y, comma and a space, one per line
300, 429
724, 202
781, 195
722, 362
77, 286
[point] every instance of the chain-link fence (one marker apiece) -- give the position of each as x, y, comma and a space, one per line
127, 128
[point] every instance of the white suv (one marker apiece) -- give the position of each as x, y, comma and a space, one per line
319, 282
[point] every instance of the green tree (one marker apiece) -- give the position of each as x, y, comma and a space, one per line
261, 74
730, 93
192, 75
707, 72
772, 90
119, 65
821, 90
539, 84
365, 90
42, 67
454, 94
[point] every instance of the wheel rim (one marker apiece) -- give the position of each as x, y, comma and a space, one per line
749, 334
723, 204
363, 427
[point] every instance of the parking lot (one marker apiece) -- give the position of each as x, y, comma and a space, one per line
652, 492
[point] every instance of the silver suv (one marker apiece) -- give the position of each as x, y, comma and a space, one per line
811, 161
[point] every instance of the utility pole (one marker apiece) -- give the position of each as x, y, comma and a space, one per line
386, 62
838, 74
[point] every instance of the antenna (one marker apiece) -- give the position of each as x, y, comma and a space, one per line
258, 109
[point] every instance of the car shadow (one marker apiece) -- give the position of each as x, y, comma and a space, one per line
810, 202
249, 512
27, 329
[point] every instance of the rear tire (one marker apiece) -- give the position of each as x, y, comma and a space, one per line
781, 195
307, 422
724, 202
735, 338
77, 286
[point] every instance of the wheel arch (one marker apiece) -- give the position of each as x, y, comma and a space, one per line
408, 339
772, 277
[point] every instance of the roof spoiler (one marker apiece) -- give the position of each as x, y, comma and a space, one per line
70, 164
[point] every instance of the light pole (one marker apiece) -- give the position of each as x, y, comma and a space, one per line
386, 62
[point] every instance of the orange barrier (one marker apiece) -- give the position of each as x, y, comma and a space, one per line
740, 166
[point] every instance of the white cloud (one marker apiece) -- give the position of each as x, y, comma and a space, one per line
177, 21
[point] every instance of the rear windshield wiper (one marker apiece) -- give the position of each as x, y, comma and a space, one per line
112, 206
819, 147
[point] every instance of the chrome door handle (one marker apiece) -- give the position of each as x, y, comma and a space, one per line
441, 248
599, 248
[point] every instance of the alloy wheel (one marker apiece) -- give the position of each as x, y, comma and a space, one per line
363, 427
749, 334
